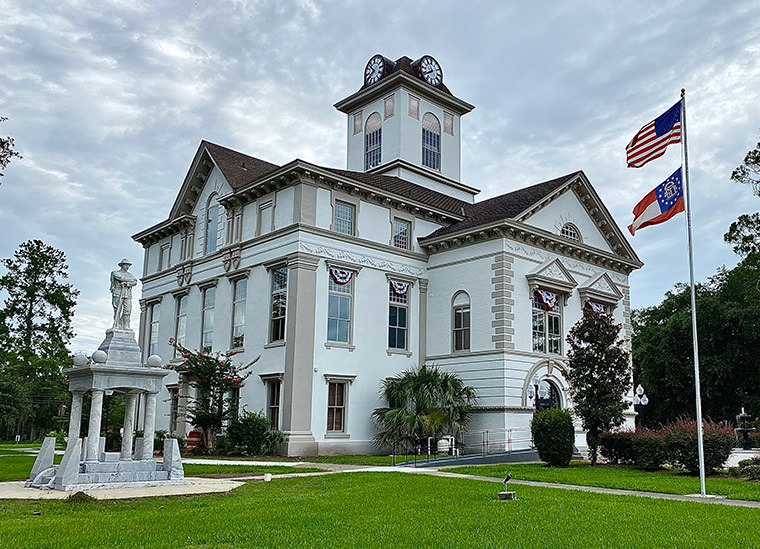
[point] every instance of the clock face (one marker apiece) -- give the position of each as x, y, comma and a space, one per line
431, 71
374, 70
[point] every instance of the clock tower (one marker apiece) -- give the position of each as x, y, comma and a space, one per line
405, 122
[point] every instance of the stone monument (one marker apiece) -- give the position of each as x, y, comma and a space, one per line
116, 366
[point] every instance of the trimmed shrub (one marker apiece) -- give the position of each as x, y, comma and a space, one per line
682, 446
618, 447
754, 439
649, 449
252, 434
553, 436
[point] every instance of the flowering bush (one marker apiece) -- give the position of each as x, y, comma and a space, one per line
213, 376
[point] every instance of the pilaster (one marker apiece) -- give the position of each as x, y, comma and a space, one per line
503, 302
299, 354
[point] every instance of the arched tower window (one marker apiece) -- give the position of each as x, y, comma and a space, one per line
431, 142
460, 309
571, 231
373, 134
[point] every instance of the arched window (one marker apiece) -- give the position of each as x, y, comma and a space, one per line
373, 134
431, 142
213, 216
571, 231
461, 322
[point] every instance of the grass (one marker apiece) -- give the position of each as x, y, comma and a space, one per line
17, 466
619, 476
377, 510
347, 459
196, 469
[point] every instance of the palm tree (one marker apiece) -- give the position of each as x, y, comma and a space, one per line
422, 402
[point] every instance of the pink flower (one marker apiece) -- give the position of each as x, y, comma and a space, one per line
185, 355
171, 341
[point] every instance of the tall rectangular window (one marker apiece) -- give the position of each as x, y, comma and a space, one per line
207, 319
547, 323
180, 327
212, 228
155, 314
339, 311
273, 402
344, 218
461, 326
401, 232
239, 294
279, 304
336, 407
164, 257
266, 212
398, 321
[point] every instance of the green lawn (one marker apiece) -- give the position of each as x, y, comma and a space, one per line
378, 510
194, 469
619, 476
17, 466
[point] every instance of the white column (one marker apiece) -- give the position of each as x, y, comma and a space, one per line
129, 428
93, 433
149, 427
75, 419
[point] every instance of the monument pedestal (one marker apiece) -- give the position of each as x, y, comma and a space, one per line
116, 367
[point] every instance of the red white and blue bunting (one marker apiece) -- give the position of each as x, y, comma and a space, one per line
549, 299
400, 288
596, 307
341, 276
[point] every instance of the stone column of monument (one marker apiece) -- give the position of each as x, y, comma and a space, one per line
129, 428
75, 419
149, 427
93, 433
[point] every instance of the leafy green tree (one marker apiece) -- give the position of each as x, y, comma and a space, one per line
6, 150
214, 377
728, 316
744, 234
422, 402
35, 328
598, 374
749, 172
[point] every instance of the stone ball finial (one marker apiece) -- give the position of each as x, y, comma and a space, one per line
154, 361
99, 356
80, 360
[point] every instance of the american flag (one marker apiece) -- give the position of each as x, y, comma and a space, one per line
652, 140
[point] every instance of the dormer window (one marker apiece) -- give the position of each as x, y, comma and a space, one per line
571, 232
431, 142
373, 133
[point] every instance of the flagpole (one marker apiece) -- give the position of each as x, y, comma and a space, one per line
685, 152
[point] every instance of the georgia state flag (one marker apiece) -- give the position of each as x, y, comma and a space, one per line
662, 203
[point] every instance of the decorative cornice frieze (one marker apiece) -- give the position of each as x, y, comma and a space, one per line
359, 259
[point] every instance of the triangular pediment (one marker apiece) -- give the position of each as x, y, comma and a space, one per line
551, 275
577, 202
600, 288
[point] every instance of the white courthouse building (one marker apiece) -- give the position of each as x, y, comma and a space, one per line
339, 278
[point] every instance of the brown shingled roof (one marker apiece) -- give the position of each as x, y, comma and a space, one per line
408, 190
506, 206
238, 168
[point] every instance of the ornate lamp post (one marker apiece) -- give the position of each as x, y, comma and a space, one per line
539, 392
640, 399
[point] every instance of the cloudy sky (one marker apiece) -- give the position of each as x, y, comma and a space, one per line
109, 100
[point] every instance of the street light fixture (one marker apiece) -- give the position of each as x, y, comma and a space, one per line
640, 399
539, 390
